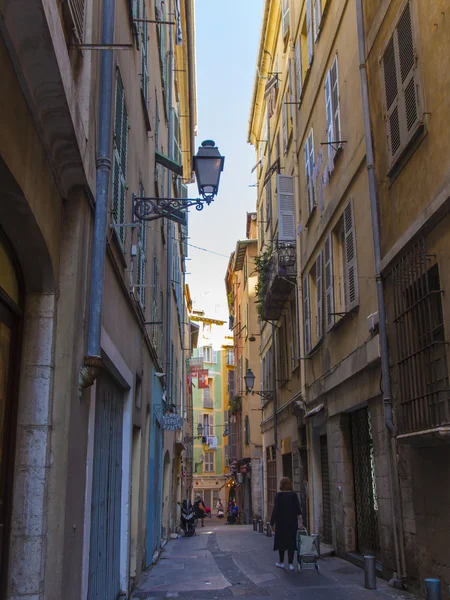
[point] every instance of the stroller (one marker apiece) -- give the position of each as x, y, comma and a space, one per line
307, 551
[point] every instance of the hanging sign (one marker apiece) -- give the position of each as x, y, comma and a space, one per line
172, 421
195, 365
203, 379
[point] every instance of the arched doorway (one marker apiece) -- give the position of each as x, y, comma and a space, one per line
10, 319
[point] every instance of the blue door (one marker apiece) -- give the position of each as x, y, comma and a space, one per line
104, 554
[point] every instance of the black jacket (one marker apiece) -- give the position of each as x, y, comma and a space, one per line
285, 514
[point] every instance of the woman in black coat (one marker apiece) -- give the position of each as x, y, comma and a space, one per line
285, 522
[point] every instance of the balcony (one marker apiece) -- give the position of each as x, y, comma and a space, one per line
279, 278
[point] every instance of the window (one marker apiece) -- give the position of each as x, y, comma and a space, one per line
317, 9
298, 70
307, 315
208, 394
293, 331
285, 17
329, 283
141, 256
208, 354
144, 55
309, 167
313, 302
245, 270
332, 109
231, 384
246, 430
208, 465
119, 170
401, 98
422, 371
268, 207
283, 352
208, 425
226, 419
230, 358
171, 371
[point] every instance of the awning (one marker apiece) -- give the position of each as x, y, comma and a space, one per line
314, 411
165, 161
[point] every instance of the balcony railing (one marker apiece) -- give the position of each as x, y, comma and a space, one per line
282, 273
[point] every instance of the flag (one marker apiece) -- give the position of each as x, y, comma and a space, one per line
203, 379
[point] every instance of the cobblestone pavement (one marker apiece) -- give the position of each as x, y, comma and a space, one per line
235, 562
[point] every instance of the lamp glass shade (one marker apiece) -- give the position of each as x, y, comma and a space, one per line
249, 379
208, 164
199, 429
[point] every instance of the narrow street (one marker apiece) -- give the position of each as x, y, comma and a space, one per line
224, 561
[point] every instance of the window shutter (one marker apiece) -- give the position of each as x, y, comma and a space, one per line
306, 314
306, 152
334, 85
317, 18
286, 208
144, 55
214, 357
319, 294
350, 256
298, 69
408, 77
285, 17
391, 99
329, 283
77, 8
285, 123
309, 32
310, 159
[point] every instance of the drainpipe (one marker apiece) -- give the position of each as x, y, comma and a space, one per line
169, 222
93, 361
384, 348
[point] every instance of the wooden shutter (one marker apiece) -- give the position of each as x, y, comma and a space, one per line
317, 18
286, 208
334, 85
306, 314
309, 32
391, 99
329, 283
308, 176
77, 9
184, 227
291, 95
285, 122
312, 190
298, 69
408, 78
285, 17
319, 295
144, 55
350, 256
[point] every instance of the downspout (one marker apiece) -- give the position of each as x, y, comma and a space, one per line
169, 222
93, 361
384, 348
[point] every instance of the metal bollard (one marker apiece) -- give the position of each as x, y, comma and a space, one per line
433, 589
261, 526
255, 525
317, 539
370, 578
269, 530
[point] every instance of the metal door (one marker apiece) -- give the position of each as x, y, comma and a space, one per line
367, 537
104, 556
326, 497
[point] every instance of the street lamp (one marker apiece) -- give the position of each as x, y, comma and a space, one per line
249, 379
189, 438
208, 165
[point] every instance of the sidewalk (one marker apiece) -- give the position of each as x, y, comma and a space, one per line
234, 561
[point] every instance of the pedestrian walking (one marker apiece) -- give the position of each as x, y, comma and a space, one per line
199, 508
286, 519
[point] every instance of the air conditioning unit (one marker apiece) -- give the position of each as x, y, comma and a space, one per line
373, 322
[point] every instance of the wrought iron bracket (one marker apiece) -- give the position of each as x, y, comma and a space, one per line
333, 144
150, 209
263, 394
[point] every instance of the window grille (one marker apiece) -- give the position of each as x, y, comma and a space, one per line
422, 374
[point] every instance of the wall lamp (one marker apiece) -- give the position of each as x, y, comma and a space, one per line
208, 165
189, 438
249, 379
